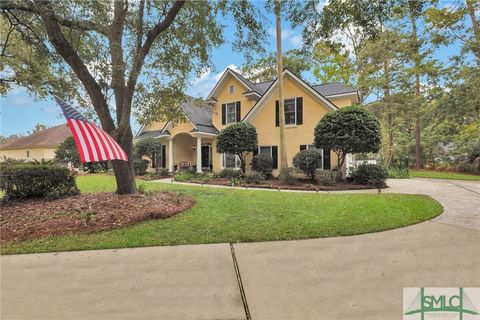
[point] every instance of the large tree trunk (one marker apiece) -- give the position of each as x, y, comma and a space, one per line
418, 148
281, 116
124, 173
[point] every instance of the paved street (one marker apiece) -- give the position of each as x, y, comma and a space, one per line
355, 277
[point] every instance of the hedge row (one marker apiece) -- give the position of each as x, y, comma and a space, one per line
34, 181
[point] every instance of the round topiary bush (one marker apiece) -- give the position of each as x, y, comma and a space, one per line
370, 174
36, 181
348, 130
262, 163
140, 166
308, 161
239, 138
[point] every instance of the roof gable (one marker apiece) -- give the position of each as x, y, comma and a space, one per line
269, 93
249, 86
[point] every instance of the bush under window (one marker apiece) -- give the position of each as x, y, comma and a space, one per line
140, 166
308, 161
371, 174
262, 163
35, 181
254, 177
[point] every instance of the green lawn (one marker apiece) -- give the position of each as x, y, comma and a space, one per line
443, 175
227, 215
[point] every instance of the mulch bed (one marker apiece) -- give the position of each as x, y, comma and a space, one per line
299, 185
30, 219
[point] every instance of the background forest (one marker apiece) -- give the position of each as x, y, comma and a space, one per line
138, 60
429, 110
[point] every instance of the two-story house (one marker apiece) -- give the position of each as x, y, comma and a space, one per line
235, 98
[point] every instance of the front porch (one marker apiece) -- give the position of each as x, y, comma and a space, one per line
188, 150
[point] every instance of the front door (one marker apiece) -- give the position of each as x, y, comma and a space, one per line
206, 157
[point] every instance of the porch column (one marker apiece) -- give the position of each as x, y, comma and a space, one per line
199, 154
170, 155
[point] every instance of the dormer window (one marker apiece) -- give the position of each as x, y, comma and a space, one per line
231, 89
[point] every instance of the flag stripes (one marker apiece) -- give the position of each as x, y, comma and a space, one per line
93, 143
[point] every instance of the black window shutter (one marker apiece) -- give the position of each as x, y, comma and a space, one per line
224, 113
326, 159
164, 156
238, 111
300, 110
277, 114
275, 157
303, 147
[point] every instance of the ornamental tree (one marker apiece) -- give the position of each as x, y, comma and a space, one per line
348, 130
239, 139
67, 152
148, 147
308, 161
119, 59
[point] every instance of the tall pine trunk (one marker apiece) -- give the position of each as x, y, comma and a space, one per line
283, 142
416, 53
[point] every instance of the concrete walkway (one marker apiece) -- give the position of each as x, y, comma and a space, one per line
356, 277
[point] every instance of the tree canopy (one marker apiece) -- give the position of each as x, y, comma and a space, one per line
240, 139
348, 130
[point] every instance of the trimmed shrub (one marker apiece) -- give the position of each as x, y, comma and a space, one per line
184, 176
288, 175
33, 181
324, 177
262, 163
162, 172
308, 161
254, 177
140, 166
230, 173
371, 174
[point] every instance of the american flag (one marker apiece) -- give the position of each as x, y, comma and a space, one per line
93, 143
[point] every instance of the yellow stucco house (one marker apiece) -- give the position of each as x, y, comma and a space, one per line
38, 146
235, 98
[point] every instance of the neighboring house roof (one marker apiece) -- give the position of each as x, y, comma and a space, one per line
51, 137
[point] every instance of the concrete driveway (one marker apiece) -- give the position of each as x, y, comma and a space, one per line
357, 277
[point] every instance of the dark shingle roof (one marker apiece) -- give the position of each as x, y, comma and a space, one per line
199, 113
326, 89
334, 88
153, 134
50, 137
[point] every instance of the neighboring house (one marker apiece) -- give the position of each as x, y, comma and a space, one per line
235, 99
38, 146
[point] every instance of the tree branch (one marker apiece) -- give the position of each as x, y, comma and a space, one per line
82, 25
143, 52
63, 47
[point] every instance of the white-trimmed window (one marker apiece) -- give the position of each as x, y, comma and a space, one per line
231, 110
231, 89
290, 111
311, 146
230, 161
